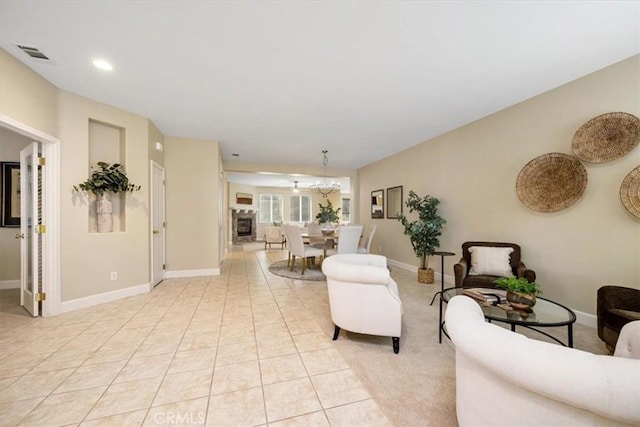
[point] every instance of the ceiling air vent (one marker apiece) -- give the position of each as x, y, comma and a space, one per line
33, 52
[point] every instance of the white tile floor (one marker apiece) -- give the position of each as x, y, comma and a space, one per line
245, 348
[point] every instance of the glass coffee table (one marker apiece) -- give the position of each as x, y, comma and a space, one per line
545, 314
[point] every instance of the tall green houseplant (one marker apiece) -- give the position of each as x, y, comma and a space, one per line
424, 232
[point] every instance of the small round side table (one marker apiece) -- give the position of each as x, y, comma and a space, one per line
442, 255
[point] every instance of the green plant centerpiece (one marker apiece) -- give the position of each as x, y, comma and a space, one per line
521, 294
328, 216
106, 178
424, 232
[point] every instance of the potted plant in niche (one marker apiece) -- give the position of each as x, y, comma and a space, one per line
521, 294
327, 217
424, 232
107, 178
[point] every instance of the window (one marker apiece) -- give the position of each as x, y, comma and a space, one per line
346, 210
270, 208
300, 208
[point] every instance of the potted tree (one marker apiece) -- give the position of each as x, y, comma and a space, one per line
108, 178
424, 232
327, 216
521, 294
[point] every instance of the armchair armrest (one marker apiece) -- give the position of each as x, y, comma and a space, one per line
460, 272
523, 271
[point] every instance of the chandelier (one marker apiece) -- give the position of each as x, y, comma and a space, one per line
325, 188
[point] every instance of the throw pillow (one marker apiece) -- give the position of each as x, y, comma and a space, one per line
490, 261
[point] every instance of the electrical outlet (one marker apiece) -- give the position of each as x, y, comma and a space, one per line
114, 275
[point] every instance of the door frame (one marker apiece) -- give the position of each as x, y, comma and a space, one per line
152, 218
50, 211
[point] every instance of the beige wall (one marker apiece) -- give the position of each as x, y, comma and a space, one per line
87, 259
10, 145
473, 170
27, 97
192, 174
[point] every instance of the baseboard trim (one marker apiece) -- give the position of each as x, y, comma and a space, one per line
9, 284
92, 300
176, 274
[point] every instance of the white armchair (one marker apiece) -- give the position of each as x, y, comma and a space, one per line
363, 297
506, 379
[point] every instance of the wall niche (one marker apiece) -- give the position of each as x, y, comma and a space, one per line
107, 143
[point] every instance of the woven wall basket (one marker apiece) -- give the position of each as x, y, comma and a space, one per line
630, 192
551, 182
606, 137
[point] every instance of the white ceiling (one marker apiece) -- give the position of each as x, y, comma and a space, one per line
279, 81
285, 180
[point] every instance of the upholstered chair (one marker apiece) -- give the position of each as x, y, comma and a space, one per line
628, 344
504, 378
363, 298
273, 235
349, 238
366, 245
297, 248
488, 269
616, 306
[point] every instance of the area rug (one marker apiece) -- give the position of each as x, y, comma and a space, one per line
279, 268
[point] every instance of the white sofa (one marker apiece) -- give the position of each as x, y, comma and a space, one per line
363, 297
504, 378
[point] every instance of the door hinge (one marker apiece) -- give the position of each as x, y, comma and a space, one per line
42, 161
164, 224
41, 296
41, 229
164, 266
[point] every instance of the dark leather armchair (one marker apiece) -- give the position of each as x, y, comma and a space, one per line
461, 270
617, 306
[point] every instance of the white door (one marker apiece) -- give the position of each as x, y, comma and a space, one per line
157, 223
30, 187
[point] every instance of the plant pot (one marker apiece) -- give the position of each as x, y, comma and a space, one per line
425, 275
104, 212
522, 302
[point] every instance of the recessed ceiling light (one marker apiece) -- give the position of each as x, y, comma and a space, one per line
102, 64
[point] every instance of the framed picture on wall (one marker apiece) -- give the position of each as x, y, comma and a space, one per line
244, 199
10, 198
377, 204
394, 202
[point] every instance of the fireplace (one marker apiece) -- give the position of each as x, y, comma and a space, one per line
243, 225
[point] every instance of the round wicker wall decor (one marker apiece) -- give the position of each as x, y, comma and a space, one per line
551, 182
606, 137
630, 192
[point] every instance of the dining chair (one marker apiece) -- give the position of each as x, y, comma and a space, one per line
297, 248
366, 246
349, 238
